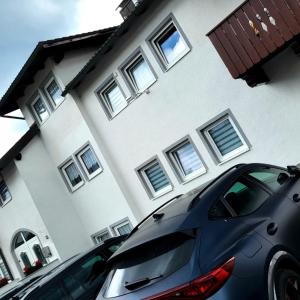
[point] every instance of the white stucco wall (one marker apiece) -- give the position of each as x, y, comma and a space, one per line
100, 202
20, 213
196, 89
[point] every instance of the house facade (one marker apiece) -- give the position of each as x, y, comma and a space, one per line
149, 111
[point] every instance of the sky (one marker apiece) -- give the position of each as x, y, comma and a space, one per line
24, 23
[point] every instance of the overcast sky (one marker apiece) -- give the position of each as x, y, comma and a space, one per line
25, 22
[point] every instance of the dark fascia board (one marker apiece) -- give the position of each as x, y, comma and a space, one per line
108, 45
42, 51
11, 154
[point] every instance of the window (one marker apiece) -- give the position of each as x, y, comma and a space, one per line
53, 92
89, 162
72, 175
154, 179
138, 72
224, 139
160, 257
242, 198
50, 291
100, 237
85, 276
5, 195
168, 43
185, 160
40, 109
123, 227
112, 98
271, 177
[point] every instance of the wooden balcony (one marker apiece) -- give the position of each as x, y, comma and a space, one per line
254, 33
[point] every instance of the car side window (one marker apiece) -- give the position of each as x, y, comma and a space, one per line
52, 291
85, 276
242, 198
271, 177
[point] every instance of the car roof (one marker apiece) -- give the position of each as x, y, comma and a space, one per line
175, 215
65, 265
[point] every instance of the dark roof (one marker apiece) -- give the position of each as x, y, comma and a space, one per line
109, 44
51, 48
11, 154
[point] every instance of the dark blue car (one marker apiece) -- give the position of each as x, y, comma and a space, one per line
235, 238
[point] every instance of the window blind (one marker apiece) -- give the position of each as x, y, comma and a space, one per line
142, 74
225, 137
188, 158
157, 177
115, 99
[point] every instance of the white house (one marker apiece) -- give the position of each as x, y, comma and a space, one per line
149, 111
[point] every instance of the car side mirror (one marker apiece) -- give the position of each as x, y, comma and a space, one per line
294, 170
282, 178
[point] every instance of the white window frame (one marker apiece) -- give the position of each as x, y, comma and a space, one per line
147, 183
66, 177
46, 85
105, 100
119, 225
82, 164
175, 163
35, 114
2, 202
99, 234
232, 154
129, 64
157, 49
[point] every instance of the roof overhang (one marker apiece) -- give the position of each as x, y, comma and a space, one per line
109, 44
15, 150
51, 48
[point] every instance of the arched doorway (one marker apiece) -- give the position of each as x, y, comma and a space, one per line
28, 250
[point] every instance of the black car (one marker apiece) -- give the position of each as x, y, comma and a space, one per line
18, 287
80, 277
235, 238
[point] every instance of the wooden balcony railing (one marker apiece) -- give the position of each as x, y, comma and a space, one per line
255, 32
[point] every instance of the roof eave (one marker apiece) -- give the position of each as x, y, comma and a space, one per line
11, 154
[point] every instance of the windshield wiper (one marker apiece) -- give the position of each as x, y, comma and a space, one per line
140, 282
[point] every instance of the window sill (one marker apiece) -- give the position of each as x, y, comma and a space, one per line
111, 117
220, 163
144, 91
191, 178
95, 174
162, 194
75, 188
56, 106
167, 67
8, 201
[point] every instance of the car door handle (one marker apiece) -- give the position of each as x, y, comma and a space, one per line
272, 228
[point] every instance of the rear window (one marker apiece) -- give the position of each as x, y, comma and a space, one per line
149, 263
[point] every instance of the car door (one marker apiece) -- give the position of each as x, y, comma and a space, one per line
50, 291
246, 217
277, 218
83, 278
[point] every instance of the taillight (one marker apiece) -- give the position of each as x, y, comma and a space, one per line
200, 288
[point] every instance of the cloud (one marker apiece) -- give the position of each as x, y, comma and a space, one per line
24, 23
96, 14
10, 132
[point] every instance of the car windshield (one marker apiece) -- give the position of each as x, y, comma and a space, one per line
148, 263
